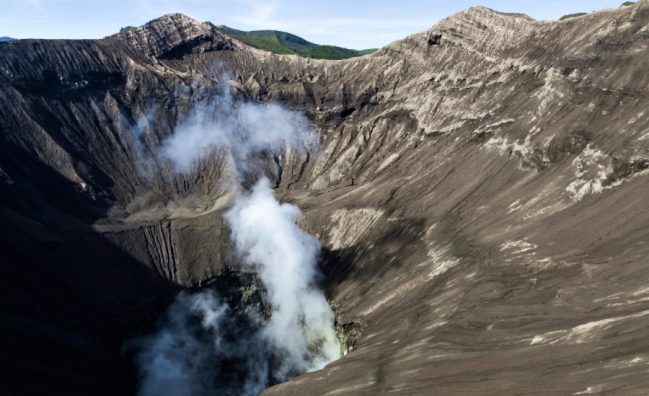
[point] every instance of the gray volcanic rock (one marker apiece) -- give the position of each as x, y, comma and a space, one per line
480, 190
171, 35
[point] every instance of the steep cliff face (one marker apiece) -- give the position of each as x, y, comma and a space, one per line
480, 190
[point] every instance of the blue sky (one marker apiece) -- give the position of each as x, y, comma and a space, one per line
350, 23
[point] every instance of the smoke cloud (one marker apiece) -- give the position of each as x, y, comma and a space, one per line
215, 342
204, 346
243, 129
271, 244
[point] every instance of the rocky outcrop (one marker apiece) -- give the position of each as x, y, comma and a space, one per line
479, 189
175, 35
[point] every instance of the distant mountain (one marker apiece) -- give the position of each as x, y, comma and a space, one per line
287, 43
5, 39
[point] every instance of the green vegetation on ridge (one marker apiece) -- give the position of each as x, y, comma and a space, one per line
287, 43
578, 14
575, 15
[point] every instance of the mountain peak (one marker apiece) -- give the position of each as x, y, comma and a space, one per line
175, 18
483, 11
162, 36
478, 29
484, 29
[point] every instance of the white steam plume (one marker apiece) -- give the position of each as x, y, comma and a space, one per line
168, 359
243, 129
182, 358
203, 348
285, 257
